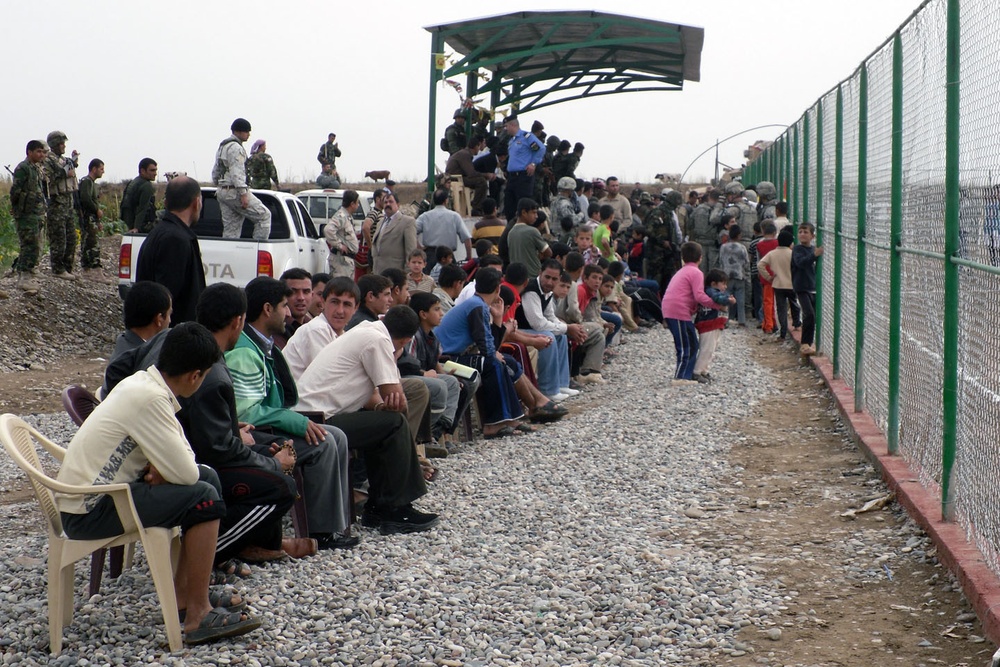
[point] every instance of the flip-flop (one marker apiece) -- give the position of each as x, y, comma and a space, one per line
220, 623
505, 432
218, 599
234, 566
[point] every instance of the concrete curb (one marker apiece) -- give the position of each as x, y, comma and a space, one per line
980, 584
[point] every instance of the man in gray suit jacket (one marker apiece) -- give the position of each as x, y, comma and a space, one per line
394, 239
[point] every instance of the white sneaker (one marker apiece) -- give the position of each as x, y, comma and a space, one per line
556, 398
568, 391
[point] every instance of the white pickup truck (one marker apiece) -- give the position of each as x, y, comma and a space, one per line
295, 241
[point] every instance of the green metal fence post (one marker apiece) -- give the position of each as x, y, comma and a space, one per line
788, 169
805, 217
437, 46
951, 249
838, 230
895, 242
817, 336
862, 267
795, 178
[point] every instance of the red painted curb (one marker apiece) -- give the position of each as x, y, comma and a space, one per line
980, 584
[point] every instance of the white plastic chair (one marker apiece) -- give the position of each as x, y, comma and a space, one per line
162, 545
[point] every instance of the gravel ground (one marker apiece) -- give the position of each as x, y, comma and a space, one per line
584, 543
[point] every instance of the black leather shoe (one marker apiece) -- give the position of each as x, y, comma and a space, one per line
334, 541
405, 519
370, 517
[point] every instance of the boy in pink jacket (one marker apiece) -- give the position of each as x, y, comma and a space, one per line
684, 294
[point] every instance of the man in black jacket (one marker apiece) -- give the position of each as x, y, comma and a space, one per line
256, 481
171, 255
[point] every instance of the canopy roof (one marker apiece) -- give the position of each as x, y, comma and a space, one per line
538, 59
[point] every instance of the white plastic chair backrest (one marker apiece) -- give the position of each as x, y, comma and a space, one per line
18, 439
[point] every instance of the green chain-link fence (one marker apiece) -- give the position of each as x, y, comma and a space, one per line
899, 167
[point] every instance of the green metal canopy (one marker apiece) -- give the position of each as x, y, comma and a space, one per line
537, 59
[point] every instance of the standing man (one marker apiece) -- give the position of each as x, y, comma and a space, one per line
623, 209
525, 153
525, 244
662, 249
363, 258
60, 172
27, 204
329, 152
441, 226
394, 238
235, 199
138, 209
704, 229
341, 237
260, 167
171, 255
461, 164
90, 217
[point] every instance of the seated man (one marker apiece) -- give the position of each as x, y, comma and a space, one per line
536, 315
133, 438
329, 178
299, 281
258, 487
379, 293
358, 370
340, 299
147, 311
451, 280
147, 315
376, 297
265, 393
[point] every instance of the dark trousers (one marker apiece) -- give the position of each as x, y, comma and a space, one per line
807, 302
757, 298
383, 438
686, 345
519, 185
256, 500
782, 298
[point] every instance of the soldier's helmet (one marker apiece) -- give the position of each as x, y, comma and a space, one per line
750, 196
566, 183
55, 138
645, 198
459, 113
672, 197
766, 190
734, 188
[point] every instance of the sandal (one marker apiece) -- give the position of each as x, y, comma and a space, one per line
526, 428
218, 599
233, 567
220, 623
505, 432
429, 471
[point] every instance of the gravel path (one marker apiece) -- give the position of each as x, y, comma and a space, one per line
583, 543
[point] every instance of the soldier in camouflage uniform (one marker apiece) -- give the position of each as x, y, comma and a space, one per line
236, 202
745, 215
646, 205
565, 214
27, 204
768, 197
454, 135
260, 167
60, 173
704, 228
342, 238
90, 217
329, 152
664, 239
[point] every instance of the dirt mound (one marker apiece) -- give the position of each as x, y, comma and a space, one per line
66, 319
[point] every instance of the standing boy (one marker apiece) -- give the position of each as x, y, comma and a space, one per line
733, 258
804, 258
765, 244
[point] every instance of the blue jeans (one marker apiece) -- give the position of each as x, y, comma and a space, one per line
738, 310
553, 363
686, 345
615, 319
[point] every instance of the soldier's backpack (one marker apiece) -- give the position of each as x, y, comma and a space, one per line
220, 168
443, 144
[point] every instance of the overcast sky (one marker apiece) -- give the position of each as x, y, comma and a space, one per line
126, 79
